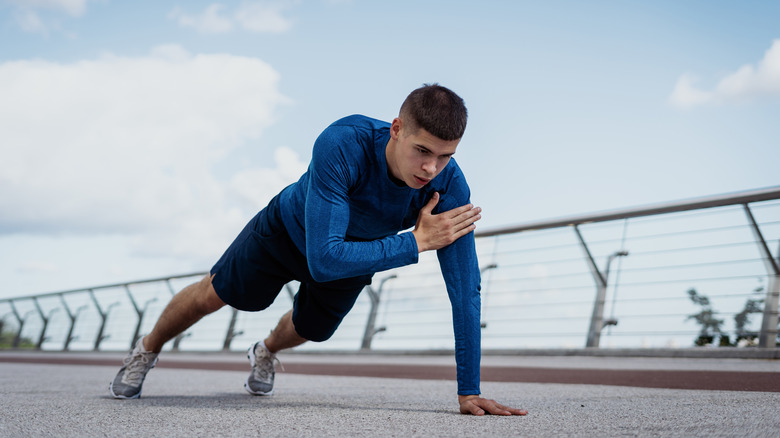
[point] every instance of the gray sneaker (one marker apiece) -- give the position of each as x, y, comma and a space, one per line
130, 378
261, 379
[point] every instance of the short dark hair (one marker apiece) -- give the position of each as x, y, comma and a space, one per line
436, 109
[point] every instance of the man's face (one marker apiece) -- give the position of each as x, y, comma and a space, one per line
417, 157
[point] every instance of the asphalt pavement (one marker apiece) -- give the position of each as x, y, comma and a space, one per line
66, 394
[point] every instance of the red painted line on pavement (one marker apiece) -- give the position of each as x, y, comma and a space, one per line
670, 379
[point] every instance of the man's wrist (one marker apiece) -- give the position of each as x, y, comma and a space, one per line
462, 398
418, 242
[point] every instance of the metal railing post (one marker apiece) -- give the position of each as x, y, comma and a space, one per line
21, 320
597, 322
45, 318
140, 311
231, 333
483, 322
370, 331
103, 319
72, 316
767, 338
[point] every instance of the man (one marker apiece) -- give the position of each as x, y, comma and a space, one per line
337, 226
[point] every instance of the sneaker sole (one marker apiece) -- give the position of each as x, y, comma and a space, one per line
121, 397
249, 390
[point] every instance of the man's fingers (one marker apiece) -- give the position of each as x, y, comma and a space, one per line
435, 231
499, 409
471, 216
463, 231
484, 405
431, 203
465, 222
472, 408
493, 408
459, 211
511, 411
465, 217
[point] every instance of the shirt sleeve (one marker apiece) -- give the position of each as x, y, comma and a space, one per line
334, 169
460, 269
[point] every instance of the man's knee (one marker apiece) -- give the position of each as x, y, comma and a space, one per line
313, 332
207, 299
318, 337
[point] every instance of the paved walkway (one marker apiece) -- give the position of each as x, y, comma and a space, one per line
53, 394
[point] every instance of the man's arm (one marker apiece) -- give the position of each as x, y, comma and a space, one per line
331, 256
334, 171
460, 269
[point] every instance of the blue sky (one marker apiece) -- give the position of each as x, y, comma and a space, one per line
138, 137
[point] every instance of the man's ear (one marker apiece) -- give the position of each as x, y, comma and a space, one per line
395, 128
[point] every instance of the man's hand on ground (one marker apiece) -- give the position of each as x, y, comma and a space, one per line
435, 231
476, 405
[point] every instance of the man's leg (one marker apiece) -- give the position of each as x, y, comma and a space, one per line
319, 310
283, 336
185, 309
262, 356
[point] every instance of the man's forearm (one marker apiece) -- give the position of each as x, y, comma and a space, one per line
461, 274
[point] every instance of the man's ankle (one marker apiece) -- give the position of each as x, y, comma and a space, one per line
265, 346
145, 346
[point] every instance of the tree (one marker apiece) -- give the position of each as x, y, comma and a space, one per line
710, 326
742, 319
7, 337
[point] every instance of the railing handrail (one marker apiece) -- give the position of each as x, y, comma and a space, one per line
103, 286
736, 198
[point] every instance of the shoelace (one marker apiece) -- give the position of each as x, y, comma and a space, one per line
137, 367
264, 368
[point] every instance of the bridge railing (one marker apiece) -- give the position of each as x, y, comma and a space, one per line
665, 275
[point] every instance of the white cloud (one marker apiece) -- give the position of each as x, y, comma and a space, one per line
288, 168
209, 21
686, 95
28, 13
747, 83
254, 16
30, 22
263, 16
128, 145
210, 233
74, 8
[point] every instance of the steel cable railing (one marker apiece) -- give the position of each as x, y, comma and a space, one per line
538, 289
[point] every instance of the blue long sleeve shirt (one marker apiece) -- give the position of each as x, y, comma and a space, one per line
345, 214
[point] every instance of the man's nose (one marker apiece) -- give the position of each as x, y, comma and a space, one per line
429, 166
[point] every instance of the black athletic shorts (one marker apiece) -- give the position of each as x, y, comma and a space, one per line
263, 258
